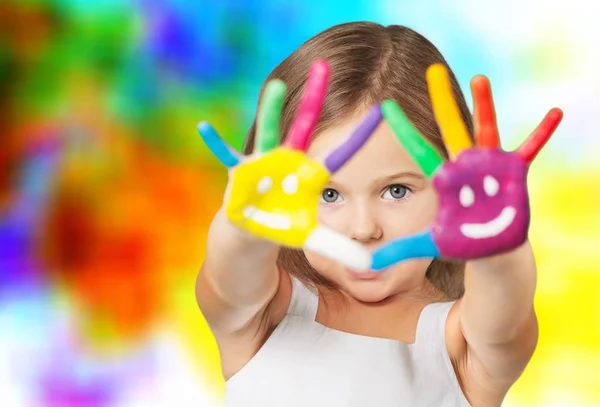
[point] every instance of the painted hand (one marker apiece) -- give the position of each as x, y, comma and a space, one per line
274, 193
482, 190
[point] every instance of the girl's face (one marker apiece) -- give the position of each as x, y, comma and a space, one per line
378, 196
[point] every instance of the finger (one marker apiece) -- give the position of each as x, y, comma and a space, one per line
269, 116
534, 143
486, 129
406, 248
421, 151
310, 107
450, 122
338, 157
227, 155
338, 247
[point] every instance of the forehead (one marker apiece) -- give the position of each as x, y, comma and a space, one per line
381, 155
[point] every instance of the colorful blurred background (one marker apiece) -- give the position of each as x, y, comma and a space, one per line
106, 191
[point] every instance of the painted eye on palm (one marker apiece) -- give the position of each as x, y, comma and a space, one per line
482, 190
275, 193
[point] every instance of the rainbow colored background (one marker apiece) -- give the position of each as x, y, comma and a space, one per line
102, 233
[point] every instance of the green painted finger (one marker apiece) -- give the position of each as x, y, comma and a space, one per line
421, 150
269, 116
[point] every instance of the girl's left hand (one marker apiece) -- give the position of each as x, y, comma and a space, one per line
482, 190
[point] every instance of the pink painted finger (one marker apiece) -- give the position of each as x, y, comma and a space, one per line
310, 107
534, 143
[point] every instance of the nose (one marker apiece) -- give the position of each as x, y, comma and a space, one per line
364, 226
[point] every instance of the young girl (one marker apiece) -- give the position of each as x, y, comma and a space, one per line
295, 328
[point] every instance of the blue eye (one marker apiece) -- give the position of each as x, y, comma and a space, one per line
396, 192
330, 195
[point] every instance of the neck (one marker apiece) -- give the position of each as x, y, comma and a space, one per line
394, 317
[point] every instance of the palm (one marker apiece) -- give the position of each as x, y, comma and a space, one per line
484, 206
276, 196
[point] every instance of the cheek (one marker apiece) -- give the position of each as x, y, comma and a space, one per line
334, 217
412, 216
322, 265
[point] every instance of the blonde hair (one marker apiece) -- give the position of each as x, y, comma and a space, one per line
369, 63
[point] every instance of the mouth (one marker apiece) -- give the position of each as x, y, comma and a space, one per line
368, 275
492, 228
267, 219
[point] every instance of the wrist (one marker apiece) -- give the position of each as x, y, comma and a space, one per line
242, 235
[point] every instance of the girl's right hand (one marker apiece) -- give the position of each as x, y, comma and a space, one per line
274, 193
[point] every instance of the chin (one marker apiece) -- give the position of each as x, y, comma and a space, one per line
368, 290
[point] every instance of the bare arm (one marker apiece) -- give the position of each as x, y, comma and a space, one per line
498, 300
238, 279
497, 318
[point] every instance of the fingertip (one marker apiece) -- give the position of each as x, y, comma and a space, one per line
391, 110
376, 111
480, 80
357, 258
276, 86
436, 72
366, 263
556, 112
377, 262
388, 104
320, 67
204, 126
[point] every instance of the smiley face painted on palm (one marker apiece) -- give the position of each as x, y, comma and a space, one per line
484, 206
281, 203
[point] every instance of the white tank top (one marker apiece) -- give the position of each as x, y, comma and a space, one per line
303, 363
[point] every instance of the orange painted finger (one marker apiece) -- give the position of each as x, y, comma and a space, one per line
486, 129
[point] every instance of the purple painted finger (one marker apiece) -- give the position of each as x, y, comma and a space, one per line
338, 157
